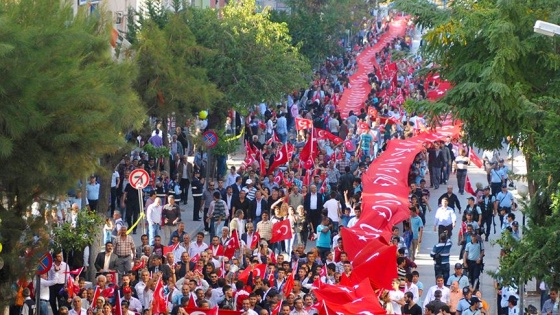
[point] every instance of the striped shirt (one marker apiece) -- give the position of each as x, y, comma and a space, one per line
444, 249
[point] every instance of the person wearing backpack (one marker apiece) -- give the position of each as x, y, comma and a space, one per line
28, 307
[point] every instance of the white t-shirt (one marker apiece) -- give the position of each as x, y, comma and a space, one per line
332, 206
396, 296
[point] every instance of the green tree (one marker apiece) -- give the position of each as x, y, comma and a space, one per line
499, 67
253, 58
505, 81
64, 104
317, 26
171, 78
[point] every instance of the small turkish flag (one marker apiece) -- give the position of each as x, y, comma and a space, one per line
281, 231
255, 241
231, 245
276, 309
302, 124
195, 258
258, 271
159, 305
280, 158
349, 145
468, 187
474, 158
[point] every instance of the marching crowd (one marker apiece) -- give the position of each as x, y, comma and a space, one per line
272, 226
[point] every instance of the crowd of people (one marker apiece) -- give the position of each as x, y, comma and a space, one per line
317, 192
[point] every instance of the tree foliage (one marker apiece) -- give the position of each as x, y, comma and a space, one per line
171, 77
497, 64
64, 103
505, 81
253, 57
317, 26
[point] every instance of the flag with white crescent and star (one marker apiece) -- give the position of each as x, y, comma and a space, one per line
281, 231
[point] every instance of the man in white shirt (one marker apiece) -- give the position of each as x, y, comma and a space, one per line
77, 307
197, 246
333, 209
445, 218
153, 215
44, 297
354, 220
409, 286
134, 304
439, 286
57, 273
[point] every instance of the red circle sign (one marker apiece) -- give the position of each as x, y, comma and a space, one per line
210, 138
139, 179
45, 264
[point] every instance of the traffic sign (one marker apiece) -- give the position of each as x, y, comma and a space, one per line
45, 264
210, 138
139, 179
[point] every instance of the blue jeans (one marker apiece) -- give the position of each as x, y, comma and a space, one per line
442, 269
153, 230
283, 137
43, 307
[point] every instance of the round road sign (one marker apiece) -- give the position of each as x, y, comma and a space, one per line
210, 138
139, 179
45, 264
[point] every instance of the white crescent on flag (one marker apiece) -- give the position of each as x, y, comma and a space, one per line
284, 228
279, 156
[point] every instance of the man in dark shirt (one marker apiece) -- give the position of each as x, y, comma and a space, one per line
171, 214
131, 199
410, 307
452, 198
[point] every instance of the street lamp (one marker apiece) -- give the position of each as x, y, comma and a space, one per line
545, 28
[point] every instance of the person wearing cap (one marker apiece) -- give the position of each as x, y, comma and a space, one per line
515, 231
197, 186
465, 302
474, 307
503, 169
472, 259
134, 304
504, 200
512, 305
476, 212
469, 232
488, 210
459, 277
250, 189
496, 180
